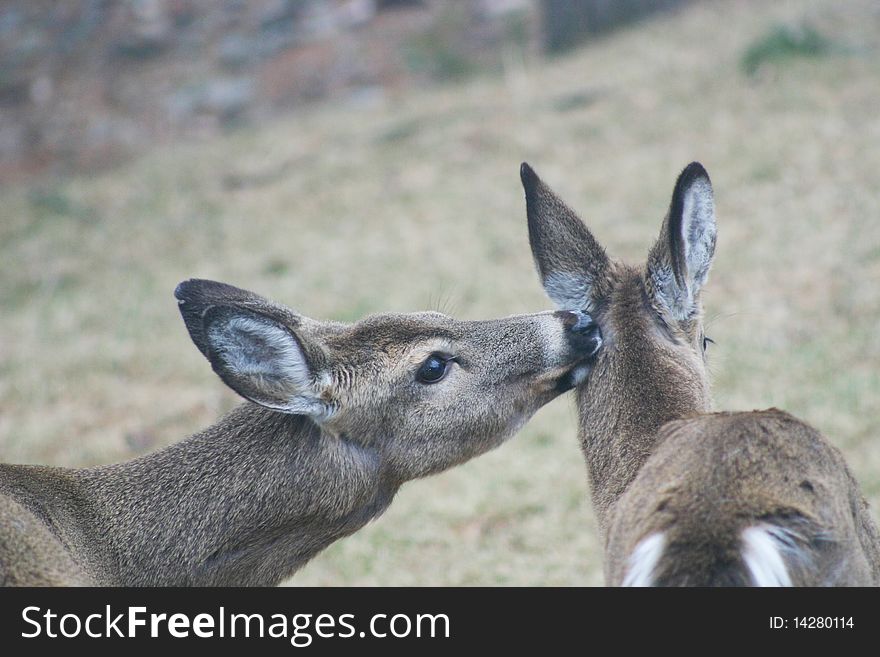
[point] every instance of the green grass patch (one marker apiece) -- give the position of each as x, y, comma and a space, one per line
784, 43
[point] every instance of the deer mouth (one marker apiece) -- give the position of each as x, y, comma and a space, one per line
590, 342
584, 334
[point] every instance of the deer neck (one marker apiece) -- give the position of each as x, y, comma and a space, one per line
245, 502
638, 392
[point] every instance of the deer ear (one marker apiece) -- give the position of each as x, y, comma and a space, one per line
679, 262
570, 262
257, 355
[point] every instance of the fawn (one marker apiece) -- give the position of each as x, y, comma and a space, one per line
684, 496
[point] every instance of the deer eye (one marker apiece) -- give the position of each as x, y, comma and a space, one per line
707, 341
433, 369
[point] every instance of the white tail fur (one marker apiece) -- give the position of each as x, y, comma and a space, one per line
764, 547
644, 559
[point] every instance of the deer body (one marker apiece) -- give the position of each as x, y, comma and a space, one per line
684, 496
737, 499
340, 417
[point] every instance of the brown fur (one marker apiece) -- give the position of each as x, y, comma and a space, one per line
656, 459
250, 499
712, 476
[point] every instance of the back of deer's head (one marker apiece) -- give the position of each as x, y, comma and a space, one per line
424, 390
652, 364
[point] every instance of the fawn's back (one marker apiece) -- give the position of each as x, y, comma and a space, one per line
734, 499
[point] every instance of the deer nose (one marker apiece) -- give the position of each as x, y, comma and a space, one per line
583, 333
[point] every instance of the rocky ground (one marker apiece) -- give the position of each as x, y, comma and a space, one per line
86, 83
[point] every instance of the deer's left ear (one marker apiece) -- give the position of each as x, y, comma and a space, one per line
261, 358
679, 262
571, 263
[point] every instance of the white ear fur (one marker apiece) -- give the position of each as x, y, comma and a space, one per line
255, 347
698, 234
680, 260
262, 361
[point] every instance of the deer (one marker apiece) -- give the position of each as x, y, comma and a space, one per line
685, 496
336, 418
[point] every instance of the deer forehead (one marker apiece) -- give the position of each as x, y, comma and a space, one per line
368, 360
626, 309
412, 353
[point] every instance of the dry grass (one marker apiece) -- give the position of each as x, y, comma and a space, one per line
345, 211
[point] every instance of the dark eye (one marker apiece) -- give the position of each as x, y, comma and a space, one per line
707, 341
433, 369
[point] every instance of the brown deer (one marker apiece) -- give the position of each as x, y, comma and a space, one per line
340, 416
684, 496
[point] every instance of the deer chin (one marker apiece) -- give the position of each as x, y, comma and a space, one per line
573, 378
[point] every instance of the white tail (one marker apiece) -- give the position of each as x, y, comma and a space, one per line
765, 548
642, 563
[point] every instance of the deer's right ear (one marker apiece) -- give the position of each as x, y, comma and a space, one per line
256, 354
570, 262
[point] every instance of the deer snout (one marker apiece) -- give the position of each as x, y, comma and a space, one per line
581, 331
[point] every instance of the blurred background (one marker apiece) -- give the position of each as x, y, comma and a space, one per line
354, 156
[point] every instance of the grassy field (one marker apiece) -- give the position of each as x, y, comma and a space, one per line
343, 211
